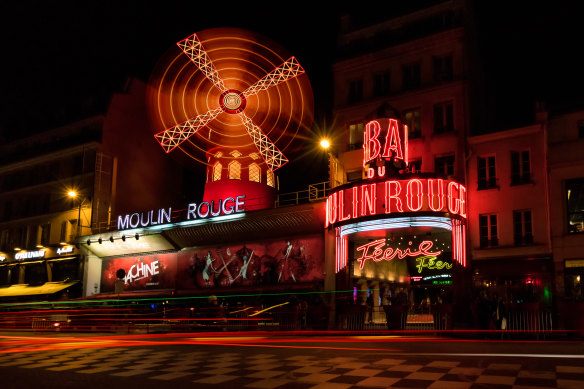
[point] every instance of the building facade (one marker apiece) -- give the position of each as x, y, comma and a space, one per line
40, 220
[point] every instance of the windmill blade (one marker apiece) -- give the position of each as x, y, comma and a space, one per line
193, 47
289, 69
269, 152
174, 136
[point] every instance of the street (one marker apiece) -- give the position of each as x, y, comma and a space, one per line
264, 360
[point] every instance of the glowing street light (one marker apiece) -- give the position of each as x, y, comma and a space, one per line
72, 194
325, 144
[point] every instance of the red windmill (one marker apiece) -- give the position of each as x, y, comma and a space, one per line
238, 109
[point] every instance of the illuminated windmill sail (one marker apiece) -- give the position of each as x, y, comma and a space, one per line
230, 101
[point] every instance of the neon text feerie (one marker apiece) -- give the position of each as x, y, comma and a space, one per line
395, 197
374, 251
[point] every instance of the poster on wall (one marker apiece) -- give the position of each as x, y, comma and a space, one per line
144, 272
255, 263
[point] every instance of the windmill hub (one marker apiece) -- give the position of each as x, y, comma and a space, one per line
232, 101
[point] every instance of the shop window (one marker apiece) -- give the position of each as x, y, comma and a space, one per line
444, 165
575, 202
443, 118
573, 277
35, 273
217, 171
522, 232
411, 76
64, 270
413, 119
255, 173
355, 91
381, 83
5, 275
442, 68
355, 136
520, 167
270, 178
487, 178
488, 230
45, 234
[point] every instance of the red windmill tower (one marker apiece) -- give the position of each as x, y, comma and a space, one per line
236, 102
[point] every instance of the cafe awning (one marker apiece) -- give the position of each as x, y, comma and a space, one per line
26, 290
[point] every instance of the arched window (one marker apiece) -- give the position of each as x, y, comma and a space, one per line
217, 171
234, 168
270, 178
255, 174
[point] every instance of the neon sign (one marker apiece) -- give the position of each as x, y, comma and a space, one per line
384, 139
202, 210
374, 251
396, 197
142, 270
30, 254
431, 264
64, 250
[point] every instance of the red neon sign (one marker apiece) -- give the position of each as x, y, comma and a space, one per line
374, 251
385, 139
395, 197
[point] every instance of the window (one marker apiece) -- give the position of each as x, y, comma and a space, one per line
522, 227
413, 120
355, 136
45, 234
355, 175
5, 240
66, 229
520, 167
34, 235
443, 118
270, 178
575, 202
217, 171
415, 166
486, 173
255, 173
234, 169
488, 231
411, 77
442, 68
580, 129
355, 91
444, 165
574, 276
381, 84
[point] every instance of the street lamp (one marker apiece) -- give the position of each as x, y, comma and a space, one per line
325, 143
73, 195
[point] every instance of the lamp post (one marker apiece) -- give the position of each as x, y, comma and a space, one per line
73, 195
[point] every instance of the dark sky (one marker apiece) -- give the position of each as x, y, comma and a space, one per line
62, 60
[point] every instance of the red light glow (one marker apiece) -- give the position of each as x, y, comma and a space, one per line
374, 251
389, 197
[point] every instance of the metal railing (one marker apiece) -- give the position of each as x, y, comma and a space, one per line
315, 192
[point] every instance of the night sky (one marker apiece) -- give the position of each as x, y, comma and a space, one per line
62, 61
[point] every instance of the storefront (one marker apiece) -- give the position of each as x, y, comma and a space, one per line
400, 237
49, 273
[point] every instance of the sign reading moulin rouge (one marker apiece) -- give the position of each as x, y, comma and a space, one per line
202, 210
394, 197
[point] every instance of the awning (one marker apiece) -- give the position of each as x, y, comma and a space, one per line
25, 290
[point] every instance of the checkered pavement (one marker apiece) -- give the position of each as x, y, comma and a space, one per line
267, 371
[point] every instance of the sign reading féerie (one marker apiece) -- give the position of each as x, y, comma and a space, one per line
194, 211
